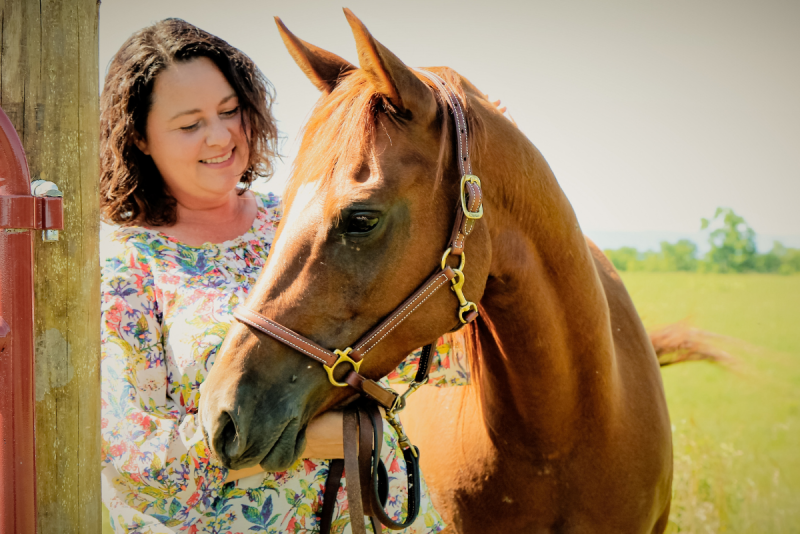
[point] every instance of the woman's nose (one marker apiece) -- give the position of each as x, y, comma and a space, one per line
218, 133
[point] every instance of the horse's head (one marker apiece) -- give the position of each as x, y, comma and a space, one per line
368, 213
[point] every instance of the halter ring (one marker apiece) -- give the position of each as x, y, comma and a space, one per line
447, 254
344, 356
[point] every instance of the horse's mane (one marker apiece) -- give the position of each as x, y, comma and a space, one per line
342, 129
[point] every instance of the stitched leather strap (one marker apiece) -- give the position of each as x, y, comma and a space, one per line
311, 349
459, 117
332, 485
285, 335
411, 304
463, 225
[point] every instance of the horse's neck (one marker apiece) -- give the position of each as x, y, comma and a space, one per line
546, 345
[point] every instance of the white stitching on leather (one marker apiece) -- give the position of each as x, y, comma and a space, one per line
271, 334
476, 197
366, 342
406, 316
461, 122
400, 312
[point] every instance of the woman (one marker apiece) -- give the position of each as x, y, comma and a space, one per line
186, 128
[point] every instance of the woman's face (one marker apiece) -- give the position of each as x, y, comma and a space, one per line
195, 134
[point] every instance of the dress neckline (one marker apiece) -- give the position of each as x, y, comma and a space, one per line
258, 221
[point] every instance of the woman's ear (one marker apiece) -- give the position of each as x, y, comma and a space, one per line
141, 143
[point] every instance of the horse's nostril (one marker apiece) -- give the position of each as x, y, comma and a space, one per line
228, 440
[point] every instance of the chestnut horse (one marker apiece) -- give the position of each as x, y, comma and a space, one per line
564, 427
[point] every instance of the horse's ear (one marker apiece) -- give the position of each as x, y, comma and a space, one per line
390, 76
323, 68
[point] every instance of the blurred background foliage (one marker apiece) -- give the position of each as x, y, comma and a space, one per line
732, 250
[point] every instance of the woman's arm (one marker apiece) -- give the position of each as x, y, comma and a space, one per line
324, 437
160, 465
324, 440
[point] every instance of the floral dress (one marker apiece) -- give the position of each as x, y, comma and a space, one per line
166, 308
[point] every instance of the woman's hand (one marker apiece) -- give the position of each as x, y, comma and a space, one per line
324, 440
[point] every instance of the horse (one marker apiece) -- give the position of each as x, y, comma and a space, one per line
564, 426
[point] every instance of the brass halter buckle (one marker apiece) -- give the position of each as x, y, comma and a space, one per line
470, 178
344, 356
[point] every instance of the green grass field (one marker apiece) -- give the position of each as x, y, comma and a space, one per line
737, 428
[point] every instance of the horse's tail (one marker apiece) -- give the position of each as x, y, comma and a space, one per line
680, 342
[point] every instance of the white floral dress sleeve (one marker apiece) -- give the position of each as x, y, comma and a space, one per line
156, 468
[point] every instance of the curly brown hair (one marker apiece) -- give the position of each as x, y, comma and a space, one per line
132, 191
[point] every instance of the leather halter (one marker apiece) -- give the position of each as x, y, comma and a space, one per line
469, 210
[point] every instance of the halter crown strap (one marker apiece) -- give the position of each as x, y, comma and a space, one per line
470, 194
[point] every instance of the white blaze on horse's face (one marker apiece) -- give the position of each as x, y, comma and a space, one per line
304, 218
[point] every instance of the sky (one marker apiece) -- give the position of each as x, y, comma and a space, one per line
651, 113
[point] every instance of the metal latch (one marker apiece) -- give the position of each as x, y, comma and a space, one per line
45, 189
44, 210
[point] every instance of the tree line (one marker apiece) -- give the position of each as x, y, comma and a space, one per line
733, 250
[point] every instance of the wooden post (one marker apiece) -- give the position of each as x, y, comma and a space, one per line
49, 89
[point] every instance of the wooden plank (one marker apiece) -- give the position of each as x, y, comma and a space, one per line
88, 369
48, 79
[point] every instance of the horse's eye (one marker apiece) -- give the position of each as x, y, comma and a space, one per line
362, 222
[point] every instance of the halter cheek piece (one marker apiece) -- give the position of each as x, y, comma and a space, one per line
363, 421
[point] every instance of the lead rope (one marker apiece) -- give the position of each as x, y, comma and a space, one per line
378, 483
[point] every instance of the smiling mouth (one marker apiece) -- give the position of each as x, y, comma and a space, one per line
220, 159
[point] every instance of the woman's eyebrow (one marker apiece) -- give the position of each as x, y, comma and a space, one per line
193, 111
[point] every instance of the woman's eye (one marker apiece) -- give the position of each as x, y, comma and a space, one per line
190, 127
362, 223
231, 112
